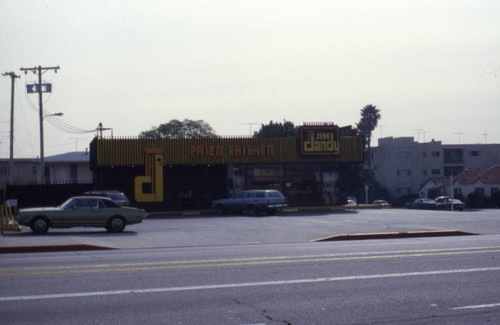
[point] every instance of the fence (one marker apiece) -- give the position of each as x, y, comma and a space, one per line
31, 195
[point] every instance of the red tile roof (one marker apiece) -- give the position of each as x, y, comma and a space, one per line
468, 176
489, 175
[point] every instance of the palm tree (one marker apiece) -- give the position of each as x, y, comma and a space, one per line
370, 115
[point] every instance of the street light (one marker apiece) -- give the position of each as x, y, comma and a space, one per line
42, 162
55, 114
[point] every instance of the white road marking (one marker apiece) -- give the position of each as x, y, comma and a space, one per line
244, 284
477, 306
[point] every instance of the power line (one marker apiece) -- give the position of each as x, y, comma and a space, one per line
57, 123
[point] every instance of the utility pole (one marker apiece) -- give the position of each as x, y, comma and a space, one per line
13, 77
100, 128
38, 87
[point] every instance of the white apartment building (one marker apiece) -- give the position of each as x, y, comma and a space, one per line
402, 165
64, 168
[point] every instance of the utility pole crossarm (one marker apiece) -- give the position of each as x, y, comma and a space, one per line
39, 68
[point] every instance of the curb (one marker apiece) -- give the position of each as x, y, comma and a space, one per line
158, 214
389, 235
50, 248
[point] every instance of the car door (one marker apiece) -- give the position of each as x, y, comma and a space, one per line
237, 202
260, 200
82, 213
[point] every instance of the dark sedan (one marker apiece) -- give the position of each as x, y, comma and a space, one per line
444, 203
422, 203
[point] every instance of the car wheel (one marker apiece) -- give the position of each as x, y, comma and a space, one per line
116, 224
40, 225
253, 210
221, 209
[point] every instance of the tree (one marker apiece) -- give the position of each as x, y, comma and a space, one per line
180, 129
370, 115
276, 130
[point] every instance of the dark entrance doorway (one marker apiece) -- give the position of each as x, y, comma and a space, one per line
194, 187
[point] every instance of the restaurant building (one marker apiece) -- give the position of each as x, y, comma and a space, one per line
177, 174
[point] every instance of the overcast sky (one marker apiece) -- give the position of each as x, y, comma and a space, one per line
431, 67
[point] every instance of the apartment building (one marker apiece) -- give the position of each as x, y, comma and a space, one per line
402, 165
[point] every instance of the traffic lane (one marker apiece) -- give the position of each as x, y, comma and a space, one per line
460, 297
115, 271
204, 259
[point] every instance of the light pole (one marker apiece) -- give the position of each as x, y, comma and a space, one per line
42, 158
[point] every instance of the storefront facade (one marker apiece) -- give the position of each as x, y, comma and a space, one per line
178, 174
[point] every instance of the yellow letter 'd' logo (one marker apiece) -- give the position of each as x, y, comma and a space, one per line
154, 176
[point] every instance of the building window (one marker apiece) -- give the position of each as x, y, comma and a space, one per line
270, 178
453, 156
436, 172
453, 170
479, 190
474, 153
403, 154
47, 173
403, 172
4, 170
404, 190
73, 172
493, 190
435, 154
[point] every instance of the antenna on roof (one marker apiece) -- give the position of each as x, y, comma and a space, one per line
250, 126
459, 134
485, 135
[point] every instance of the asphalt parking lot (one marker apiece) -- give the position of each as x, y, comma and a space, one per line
171, 230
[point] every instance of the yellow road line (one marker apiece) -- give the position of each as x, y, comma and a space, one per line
250, 259
153, 266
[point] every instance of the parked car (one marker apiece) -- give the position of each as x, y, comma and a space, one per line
351, 204
253, 201
81, 211
116, 196
352, 198
382, 203
422, 203
444, 203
